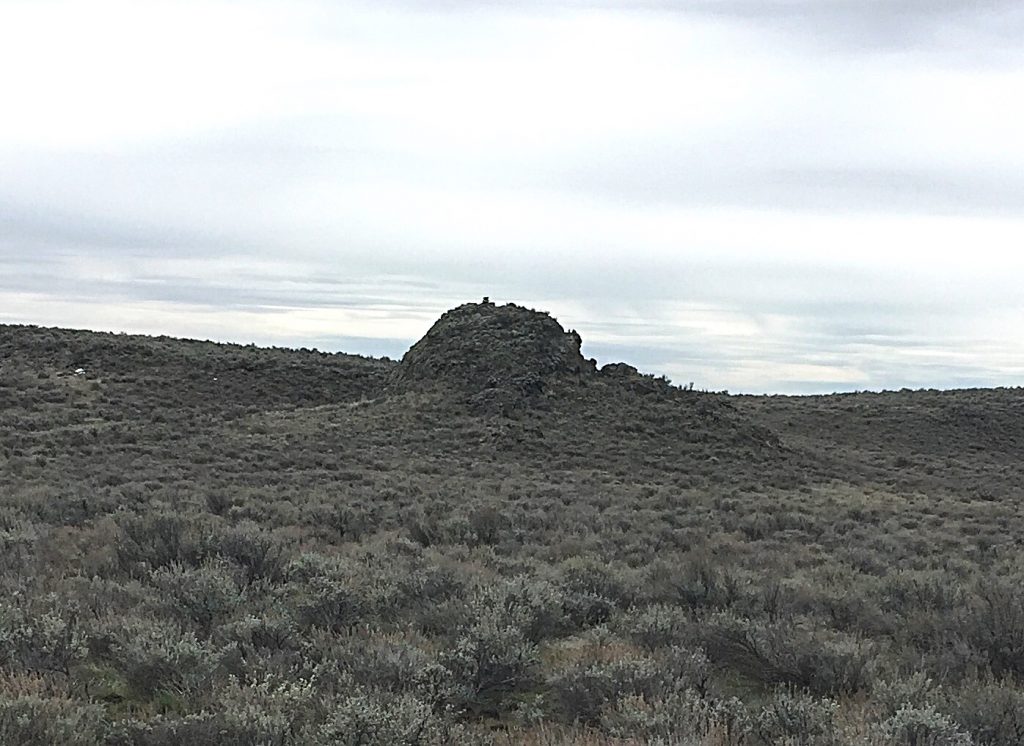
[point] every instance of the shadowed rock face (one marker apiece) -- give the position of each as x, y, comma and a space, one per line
481, 346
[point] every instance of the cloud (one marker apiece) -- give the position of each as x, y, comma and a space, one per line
977, 30
752, 195
951, 26
838, 189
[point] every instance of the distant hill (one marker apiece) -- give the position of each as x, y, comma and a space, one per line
519, 376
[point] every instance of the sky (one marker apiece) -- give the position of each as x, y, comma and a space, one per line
782, 196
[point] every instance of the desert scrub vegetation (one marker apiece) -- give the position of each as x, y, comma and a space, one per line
214, 544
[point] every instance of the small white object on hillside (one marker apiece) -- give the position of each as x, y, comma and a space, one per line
79, 371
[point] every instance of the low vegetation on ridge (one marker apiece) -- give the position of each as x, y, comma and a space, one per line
494, 541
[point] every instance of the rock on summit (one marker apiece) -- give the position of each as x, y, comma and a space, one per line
480, 346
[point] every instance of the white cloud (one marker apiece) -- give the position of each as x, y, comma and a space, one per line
720, 190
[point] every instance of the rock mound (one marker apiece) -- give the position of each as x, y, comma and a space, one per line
619, 370
482, 347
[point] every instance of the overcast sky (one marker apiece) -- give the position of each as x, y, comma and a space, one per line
754, 195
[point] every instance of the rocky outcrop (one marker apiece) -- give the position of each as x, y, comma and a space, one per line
507, 353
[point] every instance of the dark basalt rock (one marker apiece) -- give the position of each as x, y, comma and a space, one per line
619, 370
498, 355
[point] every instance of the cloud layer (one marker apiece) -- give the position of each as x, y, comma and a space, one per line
786, 196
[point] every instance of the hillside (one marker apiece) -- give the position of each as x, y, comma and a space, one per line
494, 540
